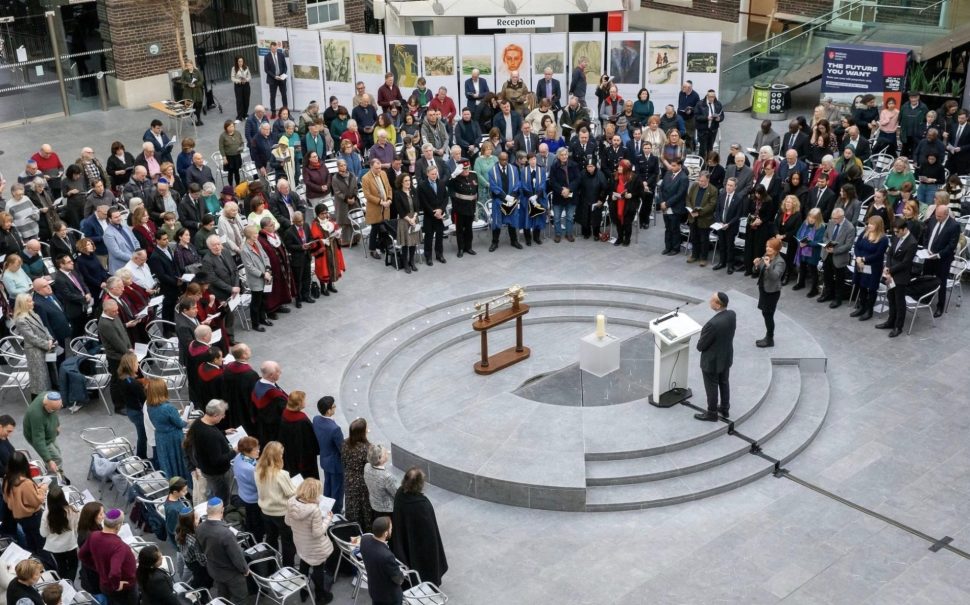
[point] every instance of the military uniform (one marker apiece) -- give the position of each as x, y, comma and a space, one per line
464, 203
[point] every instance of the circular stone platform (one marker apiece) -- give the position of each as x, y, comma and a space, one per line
543, 434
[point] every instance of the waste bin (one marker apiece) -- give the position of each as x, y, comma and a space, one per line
770, 101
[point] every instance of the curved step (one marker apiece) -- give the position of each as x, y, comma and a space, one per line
770, 417
785, 444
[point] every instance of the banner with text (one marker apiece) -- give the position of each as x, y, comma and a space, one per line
337, 50
663, 70
702, 60
369, 63
590, 46
306, 70
849, 70
549, 50
439, 64
264, 37
625, 62
476, 52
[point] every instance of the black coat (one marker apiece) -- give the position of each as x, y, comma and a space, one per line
416, 539
799, 144
716, 342
734, 212
429, 200
291, 240
635, 189
165, 271
158, 589
279, 209
900, 262
826, 204
592, 188
71, 298
54, 318
560, 177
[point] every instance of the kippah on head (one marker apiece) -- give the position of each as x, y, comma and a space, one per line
113, 514
214, 502
722, 298
53, 396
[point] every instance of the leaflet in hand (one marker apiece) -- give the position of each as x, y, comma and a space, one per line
126, 534
924, 254
235, 437
233, 303
187, 277
156, 301
296, 480
326, 505
216, 336
141, 350
718, 226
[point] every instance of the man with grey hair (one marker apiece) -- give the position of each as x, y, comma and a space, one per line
270, 401
381, 484
839, 238
433, 131
208, 450
382, 149
198, 172
428, 158
433, 200
366, 116
91, 168
219, 265
475, 90
261, 149
139, 185
284, 202
224, 558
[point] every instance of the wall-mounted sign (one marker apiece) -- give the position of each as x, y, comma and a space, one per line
516, 22
154, 48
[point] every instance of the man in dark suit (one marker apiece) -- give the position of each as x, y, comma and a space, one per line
114, 338
742, 174
958, 144
795, 139
223, 276
899, 269
329, 440
284, 202
191, 208
611, 156
433, 199
384, 576
185, 324
70, 290
475, 90
822, 197
162, 264
296, 239
582, 150
549, 88
526, 141
728, 212
673, 204
791, 164
509, 123
708, 115
940, 238
93, 228
51, 312
274, 66
716, 345
859, 144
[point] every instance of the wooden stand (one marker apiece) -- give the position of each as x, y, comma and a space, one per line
504, 359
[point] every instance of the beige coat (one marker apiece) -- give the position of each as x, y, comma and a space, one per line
309, 531
374, 213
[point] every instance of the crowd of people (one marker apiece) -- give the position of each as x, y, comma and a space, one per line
101, 257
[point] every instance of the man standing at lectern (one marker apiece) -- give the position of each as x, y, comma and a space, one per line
716, 345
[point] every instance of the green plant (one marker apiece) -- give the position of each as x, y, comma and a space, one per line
921, 77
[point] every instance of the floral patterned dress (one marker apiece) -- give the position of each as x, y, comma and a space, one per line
356, 497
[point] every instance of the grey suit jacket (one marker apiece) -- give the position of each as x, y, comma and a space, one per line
772, 274
114, 337
223, 276
256, 264
843, 243
772, 139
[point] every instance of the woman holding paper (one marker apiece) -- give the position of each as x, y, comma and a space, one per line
870, 255
275, 488
408, 228
810, 238
328, 258
38, 342
58, 525
133, 395
168, 429
258, 275
309, 524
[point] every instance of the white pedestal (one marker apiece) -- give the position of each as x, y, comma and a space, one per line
671, 358
598, 356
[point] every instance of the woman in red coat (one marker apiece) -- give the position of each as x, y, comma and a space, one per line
283, 289
328, 258
316, 178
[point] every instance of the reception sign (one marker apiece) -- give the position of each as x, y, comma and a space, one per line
849, 70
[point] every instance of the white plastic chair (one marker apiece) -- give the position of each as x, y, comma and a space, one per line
957, 268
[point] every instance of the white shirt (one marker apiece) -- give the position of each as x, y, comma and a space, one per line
141, 275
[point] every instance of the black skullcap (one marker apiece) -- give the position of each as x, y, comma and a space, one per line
722, 298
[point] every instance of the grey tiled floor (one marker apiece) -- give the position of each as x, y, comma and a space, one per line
895, 440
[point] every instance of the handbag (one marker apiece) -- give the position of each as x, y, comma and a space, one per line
314, 289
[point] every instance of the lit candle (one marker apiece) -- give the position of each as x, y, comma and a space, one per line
600, 326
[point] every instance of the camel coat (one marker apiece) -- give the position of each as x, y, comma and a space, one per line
374, 213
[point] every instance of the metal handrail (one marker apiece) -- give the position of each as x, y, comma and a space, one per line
830, 17
806, 24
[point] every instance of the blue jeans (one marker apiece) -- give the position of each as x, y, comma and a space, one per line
925, 193
138, 419
557, 212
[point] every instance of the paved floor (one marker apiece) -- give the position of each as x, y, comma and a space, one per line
895, 440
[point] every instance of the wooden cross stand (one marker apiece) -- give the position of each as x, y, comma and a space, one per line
485, 319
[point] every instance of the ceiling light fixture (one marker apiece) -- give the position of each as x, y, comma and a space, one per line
437, 7
582, 5
510, 7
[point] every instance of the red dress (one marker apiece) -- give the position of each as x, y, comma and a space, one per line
620, 203
328, 261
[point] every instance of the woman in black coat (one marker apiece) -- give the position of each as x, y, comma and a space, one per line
760, 227
592, 193
787, 224
119, 166
417, 541
626, 191
154, 583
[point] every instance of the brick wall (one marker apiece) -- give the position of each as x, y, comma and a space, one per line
132, 25
807, 8
354, 15
282, 17
720, 10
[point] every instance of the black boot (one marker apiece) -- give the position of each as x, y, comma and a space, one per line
537, 236
813, 278
528, 236
861, 304
801, 278
514, 237
494, 245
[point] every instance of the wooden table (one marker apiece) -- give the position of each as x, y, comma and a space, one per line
175, 115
